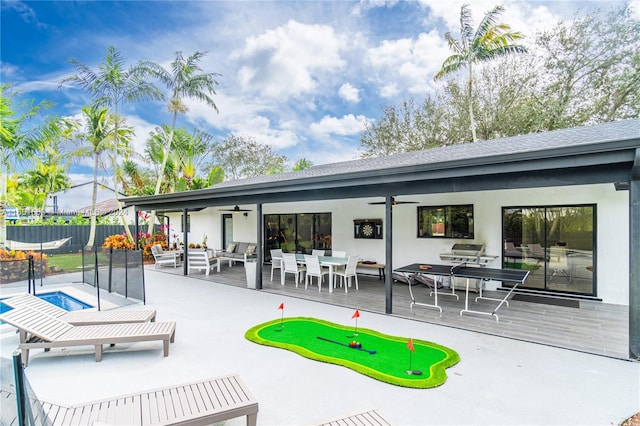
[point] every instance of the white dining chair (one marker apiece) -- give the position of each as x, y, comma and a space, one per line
276, 263
336, 253
290, 265
314, 270
317, 252
347, 273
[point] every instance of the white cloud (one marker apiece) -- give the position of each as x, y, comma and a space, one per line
365, 5
389, 91
407, 65
285, 62
347, 125
349, 93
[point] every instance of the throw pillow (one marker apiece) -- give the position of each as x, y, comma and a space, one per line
251, 248
231, 247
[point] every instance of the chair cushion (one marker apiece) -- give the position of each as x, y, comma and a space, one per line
231, 248
241, 248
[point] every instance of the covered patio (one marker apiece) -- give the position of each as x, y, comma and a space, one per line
598, 163
591, 326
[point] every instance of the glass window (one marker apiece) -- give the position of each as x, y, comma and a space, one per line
445, 221
555, 243
297, 232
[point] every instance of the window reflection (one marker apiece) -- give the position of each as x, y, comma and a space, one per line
445, 221
555, 243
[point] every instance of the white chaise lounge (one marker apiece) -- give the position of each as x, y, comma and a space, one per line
38, 330
81, 317
203, 402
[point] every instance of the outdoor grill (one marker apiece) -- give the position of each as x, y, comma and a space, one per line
467, 253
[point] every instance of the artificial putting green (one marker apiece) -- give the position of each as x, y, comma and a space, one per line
389, 363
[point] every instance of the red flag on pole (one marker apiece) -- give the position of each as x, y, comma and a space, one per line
281, 306
410, 345
356, 314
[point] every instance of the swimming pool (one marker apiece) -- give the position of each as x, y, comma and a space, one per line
58, 298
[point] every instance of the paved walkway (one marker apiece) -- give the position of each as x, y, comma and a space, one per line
498, 381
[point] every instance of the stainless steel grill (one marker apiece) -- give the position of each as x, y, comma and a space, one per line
468, 253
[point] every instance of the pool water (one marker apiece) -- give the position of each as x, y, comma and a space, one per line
58, 298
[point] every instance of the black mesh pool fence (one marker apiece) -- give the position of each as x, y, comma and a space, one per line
20, 405
115, 271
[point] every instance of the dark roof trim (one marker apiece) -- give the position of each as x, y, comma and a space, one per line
581, 150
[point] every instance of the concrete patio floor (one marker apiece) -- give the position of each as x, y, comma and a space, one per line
498, 380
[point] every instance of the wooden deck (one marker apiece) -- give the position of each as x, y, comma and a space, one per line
594, 327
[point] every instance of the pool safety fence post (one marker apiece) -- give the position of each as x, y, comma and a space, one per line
18, 377
96, 279
110, 267
144, 292
31, 279
126, 273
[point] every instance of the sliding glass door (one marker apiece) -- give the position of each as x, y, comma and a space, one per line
297, 232
555, 243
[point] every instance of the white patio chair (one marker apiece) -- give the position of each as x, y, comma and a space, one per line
348, 273
314, 270
276, 263
290, 265
162, 257
336, 253
317, 252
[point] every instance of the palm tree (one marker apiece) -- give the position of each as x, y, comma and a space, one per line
18, 141
183, 80
98, 138
489, 41
112, 85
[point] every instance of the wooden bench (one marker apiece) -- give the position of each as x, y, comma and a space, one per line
368, 418
380, 267
199, 403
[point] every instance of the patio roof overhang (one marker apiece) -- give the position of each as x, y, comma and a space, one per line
603, 156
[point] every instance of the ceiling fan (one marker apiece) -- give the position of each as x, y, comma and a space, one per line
236, 209
393, 202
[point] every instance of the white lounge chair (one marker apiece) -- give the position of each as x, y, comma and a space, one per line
162, 258
367, 418
202, 402
38, 330
81, 317
199, 260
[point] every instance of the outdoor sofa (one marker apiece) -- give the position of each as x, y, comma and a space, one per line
238, 252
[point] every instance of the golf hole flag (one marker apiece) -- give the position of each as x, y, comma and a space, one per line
356, 314
410, 345
281, 306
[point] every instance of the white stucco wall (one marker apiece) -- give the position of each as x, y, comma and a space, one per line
612, 227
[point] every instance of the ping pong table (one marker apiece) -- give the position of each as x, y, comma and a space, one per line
515, 276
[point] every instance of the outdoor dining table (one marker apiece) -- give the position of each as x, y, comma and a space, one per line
329, 261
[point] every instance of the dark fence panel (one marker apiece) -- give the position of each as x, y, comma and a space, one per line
119, 271
79, 235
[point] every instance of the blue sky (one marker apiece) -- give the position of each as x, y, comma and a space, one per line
301, 76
